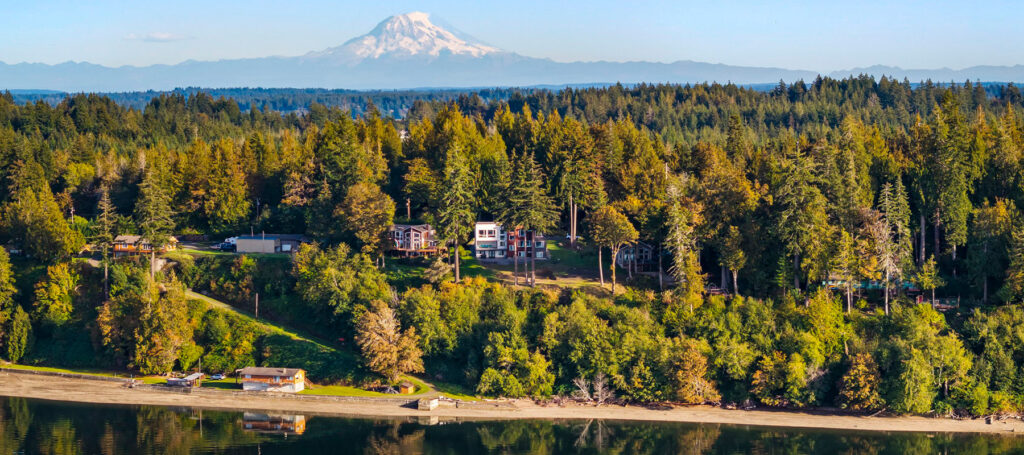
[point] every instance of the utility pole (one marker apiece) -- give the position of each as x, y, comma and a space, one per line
257, 306
408, 208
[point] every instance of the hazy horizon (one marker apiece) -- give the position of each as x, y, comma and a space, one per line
801, 36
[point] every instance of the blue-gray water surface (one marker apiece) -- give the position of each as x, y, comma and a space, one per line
30, 426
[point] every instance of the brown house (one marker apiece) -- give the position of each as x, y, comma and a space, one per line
413, 239
134, 244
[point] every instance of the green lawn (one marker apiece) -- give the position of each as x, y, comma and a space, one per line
90, 372
342, 391
470, 267
405, 273
349, 391
455, 391
226, 384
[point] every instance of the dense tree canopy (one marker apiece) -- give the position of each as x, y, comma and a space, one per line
882, 192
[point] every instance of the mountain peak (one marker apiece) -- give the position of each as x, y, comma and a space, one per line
404, 36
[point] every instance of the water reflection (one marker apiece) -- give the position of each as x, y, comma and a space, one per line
41, 427
274, 423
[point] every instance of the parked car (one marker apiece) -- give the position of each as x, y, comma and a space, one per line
217, 377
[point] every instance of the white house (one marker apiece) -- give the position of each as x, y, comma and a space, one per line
266, 379
492, 241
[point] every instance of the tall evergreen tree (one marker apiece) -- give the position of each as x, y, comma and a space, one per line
154, 216
801, 221
684, 219
104, 237
458, 207
538, 210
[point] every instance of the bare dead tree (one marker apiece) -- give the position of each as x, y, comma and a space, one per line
582, 392
602, 390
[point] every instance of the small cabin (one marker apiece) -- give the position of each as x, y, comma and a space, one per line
268, 379
407, 388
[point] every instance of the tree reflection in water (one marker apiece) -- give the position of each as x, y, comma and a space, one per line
32, 426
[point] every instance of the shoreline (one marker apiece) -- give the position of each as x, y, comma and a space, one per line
104, 392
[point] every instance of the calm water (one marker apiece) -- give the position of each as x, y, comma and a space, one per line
32, 426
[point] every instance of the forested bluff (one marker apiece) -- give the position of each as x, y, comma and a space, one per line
826, 215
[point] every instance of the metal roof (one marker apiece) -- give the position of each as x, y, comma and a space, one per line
297, 237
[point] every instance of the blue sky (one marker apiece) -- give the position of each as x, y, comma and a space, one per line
819, 35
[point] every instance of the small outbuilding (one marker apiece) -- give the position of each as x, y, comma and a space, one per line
268, 379
192, 380
407, 388
269, 243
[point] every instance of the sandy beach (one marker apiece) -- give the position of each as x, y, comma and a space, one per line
104, 392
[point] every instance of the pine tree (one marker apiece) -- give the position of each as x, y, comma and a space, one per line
105, 233
506, 212
574, 173
538, 210
801, 220
928, 277
683, 218
154, 216
457, 214
1015, 272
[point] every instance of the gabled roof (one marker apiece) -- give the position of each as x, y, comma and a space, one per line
269, 371
133, 239
412, 227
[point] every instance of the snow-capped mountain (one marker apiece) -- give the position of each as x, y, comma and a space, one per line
411, 51
404, 36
